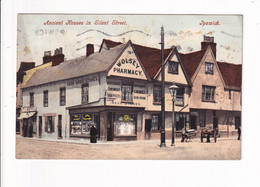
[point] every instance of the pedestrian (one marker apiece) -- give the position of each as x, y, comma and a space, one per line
93, 134
30, 129
239, 133
183, 134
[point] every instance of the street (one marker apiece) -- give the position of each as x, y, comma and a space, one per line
223, 149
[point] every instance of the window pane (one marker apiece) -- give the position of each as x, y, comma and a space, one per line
155, 122
157, 93
85, 93
126, 92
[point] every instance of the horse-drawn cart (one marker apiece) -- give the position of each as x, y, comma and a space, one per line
207, 133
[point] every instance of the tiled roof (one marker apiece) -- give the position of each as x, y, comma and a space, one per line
97, 62
191, 61
150, 57
26, 66
231, 73
110, 44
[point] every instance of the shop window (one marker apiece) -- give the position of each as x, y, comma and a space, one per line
202, 118
209, 68
62, 96
81, 123
31, 99
85, 96
156, 122
125, 124
173, 67
45, 98
157, 94
208, 93
49, 124
180, 96
127, 92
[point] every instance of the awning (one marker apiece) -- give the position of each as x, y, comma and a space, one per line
26, 115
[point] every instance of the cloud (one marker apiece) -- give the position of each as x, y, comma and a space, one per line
171, 33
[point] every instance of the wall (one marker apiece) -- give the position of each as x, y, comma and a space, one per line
221, 96
73, 97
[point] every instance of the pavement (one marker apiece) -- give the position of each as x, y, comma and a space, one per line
35, 148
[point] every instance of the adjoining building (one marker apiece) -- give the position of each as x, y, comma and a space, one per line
215, 100
117, 89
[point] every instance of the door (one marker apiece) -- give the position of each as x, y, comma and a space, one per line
60, 126
109, 126
193, 123
40, 126
215, 122
237, 122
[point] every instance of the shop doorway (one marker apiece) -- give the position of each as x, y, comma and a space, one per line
110, 126
193, 123
148, 126
40, 126
180, 121
59, 126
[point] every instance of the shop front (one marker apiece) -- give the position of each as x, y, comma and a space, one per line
122, 126
27, 121
81, 123
112, 123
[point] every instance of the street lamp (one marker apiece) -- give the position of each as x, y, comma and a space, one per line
173, 88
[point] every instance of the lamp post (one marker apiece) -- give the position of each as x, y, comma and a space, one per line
162, 92
173, 88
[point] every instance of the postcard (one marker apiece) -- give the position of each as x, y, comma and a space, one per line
129, 87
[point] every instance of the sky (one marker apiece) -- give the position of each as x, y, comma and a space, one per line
35, 35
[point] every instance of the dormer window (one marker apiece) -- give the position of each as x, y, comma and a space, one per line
209, 68
173, 67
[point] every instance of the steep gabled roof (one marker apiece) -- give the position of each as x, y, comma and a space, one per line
191, 61
231, 73
109, 44
150, 57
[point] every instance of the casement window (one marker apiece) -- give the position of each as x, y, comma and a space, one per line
208, 93
49, 124
85, 93
157, 93
31, 99
180, 96
173, 67
127, 92
209, 68
202, 115
62, 96
45, 98
156, 122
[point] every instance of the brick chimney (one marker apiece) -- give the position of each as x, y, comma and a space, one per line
209, 41
90, 49
56, 59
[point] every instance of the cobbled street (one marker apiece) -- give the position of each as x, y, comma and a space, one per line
223, 149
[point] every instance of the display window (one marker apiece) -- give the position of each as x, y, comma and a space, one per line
125, 124
81, 123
